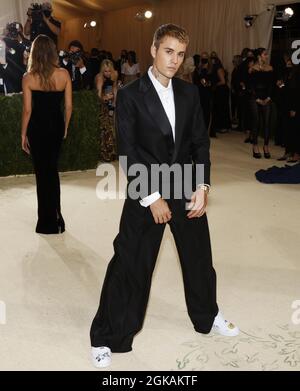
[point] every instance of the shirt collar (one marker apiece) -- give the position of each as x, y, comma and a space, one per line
158, 86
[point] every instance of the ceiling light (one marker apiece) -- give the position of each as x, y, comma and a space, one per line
249, 20
93, 23
148, 14
285, 15
289, 12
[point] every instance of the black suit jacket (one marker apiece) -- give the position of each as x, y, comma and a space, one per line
81, 81
12, 78
144, 133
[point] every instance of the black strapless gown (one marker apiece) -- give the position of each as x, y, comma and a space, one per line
45, 135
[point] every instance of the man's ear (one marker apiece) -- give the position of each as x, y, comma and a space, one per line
153, 51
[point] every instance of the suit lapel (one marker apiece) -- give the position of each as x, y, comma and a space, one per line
180, 103
158, 114
155, 107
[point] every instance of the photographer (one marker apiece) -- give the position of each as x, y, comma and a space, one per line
40, 21
13, 65
76, 65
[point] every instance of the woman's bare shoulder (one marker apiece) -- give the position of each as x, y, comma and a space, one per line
28, 79
62, 71
27, 76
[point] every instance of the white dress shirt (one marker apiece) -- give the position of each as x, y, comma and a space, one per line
166, 96
81, 70
126, 69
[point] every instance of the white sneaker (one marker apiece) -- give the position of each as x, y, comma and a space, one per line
101, 356
223, 327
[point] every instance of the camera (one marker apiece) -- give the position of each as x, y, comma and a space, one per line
109, 90
12, 30
36, 11
249, 20
73, 57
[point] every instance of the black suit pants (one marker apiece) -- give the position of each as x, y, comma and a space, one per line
127, 283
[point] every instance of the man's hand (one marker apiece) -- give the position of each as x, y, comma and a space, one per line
292, 114
160, 211
80, 63
25, 145
198, 204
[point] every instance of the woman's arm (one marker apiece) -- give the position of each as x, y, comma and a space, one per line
68, 103
221, 75
99, 85
26, 114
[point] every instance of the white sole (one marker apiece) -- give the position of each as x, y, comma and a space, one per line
235, 332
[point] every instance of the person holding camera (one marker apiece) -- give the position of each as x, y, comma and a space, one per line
76, 65
40, 21
12, 65
106, 84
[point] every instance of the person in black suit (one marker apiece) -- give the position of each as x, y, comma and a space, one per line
159, 121
41, 22
78, 71
12, 71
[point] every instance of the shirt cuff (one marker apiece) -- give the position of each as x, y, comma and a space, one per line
203, 184
65, 62
82, 70
149, 200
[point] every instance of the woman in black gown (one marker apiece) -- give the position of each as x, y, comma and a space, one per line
44, 127
261, 81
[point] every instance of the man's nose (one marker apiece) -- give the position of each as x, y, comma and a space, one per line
175, 59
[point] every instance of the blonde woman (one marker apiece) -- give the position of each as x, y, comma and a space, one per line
106, 83
44, 127
186, 70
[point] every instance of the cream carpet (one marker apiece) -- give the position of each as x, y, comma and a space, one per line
51, 284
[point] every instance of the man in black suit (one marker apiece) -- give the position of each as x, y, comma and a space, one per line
79, 69
11, 73
159, 121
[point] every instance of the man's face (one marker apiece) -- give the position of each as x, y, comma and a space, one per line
169, 56
74, 49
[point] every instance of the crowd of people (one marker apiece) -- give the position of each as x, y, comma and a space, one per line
256, 93
246, 101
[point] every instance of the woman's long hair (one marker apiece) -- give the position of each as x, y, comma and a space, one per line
43, 60
109, 64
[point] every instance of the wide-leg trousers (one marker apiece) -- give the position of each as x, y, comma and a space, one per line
127, 283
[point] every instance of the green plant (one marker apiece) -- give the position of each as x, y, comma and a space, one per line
80, 151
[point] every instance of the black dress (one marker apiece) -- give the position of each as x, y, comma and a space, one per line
108, 148
261, 86
220, 107
45, 135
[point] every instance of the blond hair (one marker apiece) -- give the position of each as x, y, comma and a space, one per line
170, 30
43, 60
110, 65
